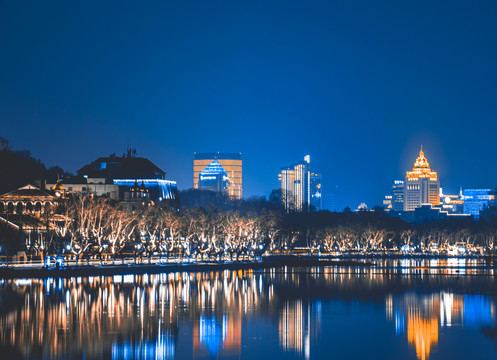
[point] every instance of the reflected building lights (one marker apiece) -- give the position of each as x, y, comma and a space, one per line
296, 323
424, 315
65, 314
140, 317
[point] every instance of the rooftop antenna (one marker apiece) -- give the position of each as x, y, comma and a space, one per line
130, 152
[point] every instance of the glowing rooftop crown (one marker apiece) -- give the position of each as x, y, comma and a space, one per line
421, 161
421, 169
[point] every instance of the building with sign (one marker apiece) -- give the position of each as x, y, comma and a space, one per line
214, 178
398, 195
231, 163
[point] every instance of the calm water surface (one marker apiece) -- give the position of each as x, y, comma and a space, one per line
409, 309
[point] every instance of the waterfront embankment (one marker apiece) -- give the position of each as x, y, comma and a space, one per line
155, 268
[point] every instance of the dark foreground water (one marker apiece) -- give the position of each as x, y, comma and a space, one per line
395, 310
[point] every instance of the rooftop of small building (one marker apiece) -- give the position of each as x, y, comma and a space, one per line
27, 191
122, 167
217, 155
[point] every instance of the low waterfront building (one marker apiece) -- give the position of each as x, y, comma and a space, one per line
137, 197
30, 209
427, 213
86, 186
27, 199
126, 170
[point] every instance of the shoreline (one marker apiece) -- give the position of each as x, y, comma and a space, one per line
267, 262
139, 269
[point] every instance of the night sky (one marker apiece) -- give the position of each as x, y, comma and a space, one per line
358, 85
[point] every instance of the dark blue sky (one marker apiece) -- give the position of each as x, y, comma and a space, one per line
357, 85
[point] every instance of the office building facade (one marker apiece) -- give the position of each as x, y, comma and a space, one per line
476, 200
231, 163
214, 178
316, 192
300, 189
387, 203
398, 195
421, 185
90, 186
287, 186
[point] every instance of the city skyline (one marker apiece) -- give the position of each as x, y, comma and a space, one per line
327, 191
158, 198
359, 88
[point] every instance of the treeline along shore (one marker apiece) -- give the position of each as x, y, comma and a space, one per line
83, 229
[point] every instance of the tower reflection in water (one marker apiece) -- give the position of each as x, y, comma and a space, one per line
299, 322
130, 316
421, 317
206, 314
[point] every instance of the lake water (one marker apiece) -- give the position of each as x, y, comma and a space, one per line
409, 309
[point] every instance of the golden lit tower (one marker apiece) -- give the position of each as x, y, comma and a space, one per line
421, 185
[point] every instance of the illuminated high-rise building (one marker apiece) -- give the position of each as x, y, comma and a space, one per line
398, 195
287, 186
421, 185
300, 189
231, 163
316, 192
302, 184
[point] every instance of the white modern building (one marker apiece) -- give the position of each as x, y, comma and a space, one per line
300, 189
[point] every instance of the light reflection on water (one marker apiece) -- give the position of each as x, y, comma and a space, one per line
284, 311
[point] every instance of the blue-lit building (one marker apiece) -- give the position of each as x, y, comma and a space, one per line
476, 200
127, 170
214, 178
159, 189
316, 192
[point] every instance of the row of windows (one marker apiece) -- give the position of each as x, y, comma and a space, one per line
222, 162
230, 173
20, 207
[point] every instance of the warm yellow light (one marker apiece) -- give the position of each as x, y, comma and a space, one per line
421, 169
422, 334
